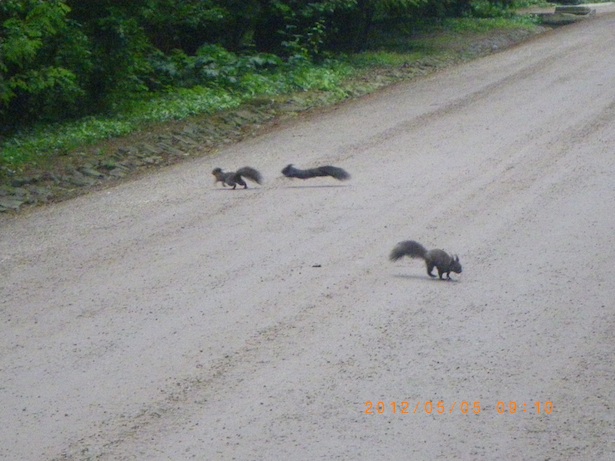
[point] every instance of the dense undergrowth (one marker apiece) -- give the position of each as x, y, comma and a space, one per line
215, 80
41, 144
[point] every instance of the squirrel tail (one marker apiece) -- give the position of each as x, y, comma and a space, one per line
251, 174
408, 248
336, 172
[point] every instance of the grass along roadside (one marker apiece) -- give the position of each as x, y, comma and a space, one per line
60, 161
38, 146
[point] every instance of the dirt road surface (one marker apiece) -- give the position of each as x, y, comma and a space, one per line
168, 319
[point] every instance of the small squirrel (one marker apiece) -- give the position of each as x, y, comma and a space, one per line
338, 173
232, 178
439, 259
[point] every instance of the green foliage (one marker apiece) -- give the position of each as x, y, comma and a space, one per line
38, 145
89, 69
212, 65
41, 56
47, 141
482, 25
385, 59
61, 59
528, 3
120, 49
300, 28
44, 142
491, 9
184, 25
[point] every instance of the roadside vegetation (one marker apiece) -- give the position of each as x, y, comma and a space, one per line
74, 73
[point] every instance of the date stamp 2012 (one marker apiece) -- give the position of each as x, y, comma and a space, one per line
465, 407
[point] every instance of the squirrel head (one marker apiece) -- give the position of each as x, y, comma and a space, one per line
456, 265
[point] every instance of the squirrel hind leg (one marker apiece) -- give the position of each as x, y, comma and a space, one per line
430, 270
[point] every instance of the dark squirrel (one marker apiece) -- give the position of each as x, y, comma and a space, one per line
335, 172
439, 259
233, 178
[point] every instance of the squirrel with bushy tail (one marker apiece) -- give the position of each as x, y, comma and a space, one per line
235, 178
440, 259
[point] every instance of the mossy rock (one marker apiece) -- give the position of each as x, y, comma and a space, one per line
581, 10
561, 19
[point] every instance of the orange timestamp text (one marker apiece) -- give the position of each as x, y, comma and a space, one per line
430, 407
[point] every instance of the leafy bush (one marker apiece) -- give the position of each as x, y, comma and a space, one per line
212, 65
77, 71
46, 141
42, 58
490, 9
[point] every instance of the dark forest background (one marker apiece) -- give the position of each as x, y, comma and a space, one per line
64, 59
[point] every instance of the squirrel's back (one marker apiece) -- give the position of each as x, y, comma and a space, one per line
232, 178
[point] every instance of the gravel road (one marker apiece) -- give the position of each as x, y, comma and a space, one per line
171, 319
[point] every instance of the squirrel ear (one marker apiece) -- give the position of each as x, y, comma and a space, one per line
456, 258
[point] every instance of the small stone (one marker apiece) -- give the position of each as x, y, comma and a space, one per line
172, 150
10, 203
42, 193
580, 10
18, 182
20, 192
184, 140
89, 171
150, 149
118, 172
80, 180
135, 162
